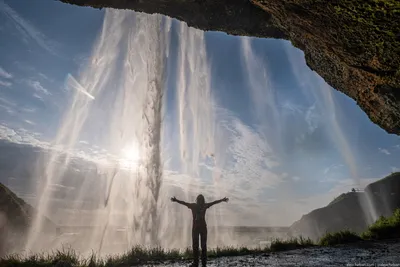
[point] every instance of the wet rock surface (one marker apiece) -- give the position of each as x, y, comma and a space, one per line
361, 254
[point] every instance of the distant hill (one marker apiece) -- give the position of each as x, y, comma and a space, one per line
347, 210
385, 194
16, 217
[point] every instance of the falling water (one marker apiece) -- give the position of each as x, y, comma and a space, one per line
127, 65
118, 101
323, 94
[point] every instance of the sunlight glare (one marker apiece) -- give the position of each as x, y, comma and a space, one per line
130, 156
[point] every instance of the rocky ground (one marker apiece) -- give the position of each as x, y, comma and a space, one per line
362, 254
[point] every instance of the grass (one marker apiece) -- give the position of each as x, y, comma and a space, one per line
341, 237
383, 228
136, 256
290, 244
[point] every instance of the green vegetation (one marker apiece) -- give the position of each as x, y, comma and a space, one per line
369, 26
294, 243
136, 256
383, 228
341, 237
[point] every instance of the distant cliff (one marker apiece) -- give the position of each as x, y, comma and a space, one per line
15, 218
346, 211
353, 44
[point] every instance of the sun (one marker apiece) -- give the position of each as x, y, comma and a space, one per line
130, 156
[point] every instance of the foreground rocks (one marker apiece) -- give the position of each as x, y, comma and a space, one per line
361, 254
353, 44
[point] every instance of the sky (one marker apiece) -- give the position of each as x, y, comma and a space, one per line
293, 142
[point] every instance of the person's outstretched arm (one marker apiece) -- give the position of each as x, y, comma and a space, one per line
225, 199
174, 199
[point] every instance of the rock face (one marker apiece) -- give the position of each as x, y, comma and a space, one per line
353, 44
346, 211
15, 218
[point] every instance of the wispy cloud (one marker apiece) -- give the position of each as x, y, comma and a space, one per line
4, 74
5, 83
312, 119
248, 160
27, 29
38, 87
30, 122
8, 109
38, 97
332, 168
384, 151
44, 76
291, 107
21, 136
7, 102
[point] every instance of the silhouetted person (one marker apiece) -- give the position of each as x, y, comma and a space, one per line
199, 227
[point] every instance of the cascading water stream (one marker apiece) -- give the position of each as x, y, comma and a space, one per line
120, 103
128, 58
323, 94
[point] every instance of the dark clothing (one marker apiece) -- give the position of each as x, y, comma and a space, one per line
202, 233
199, 214
199, 229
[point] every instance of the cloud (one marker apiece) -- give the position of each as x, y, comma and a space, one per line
332, 168
7, 102
5, 83
30, 122
21, 136
8, 109
4, 74
312, 119
292, 108
38, 87
246, 163
384, 151
44, 76
38, 97
7, 105
26, 28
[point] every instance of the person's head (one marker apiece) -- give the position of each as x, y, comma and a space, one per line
200, 200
